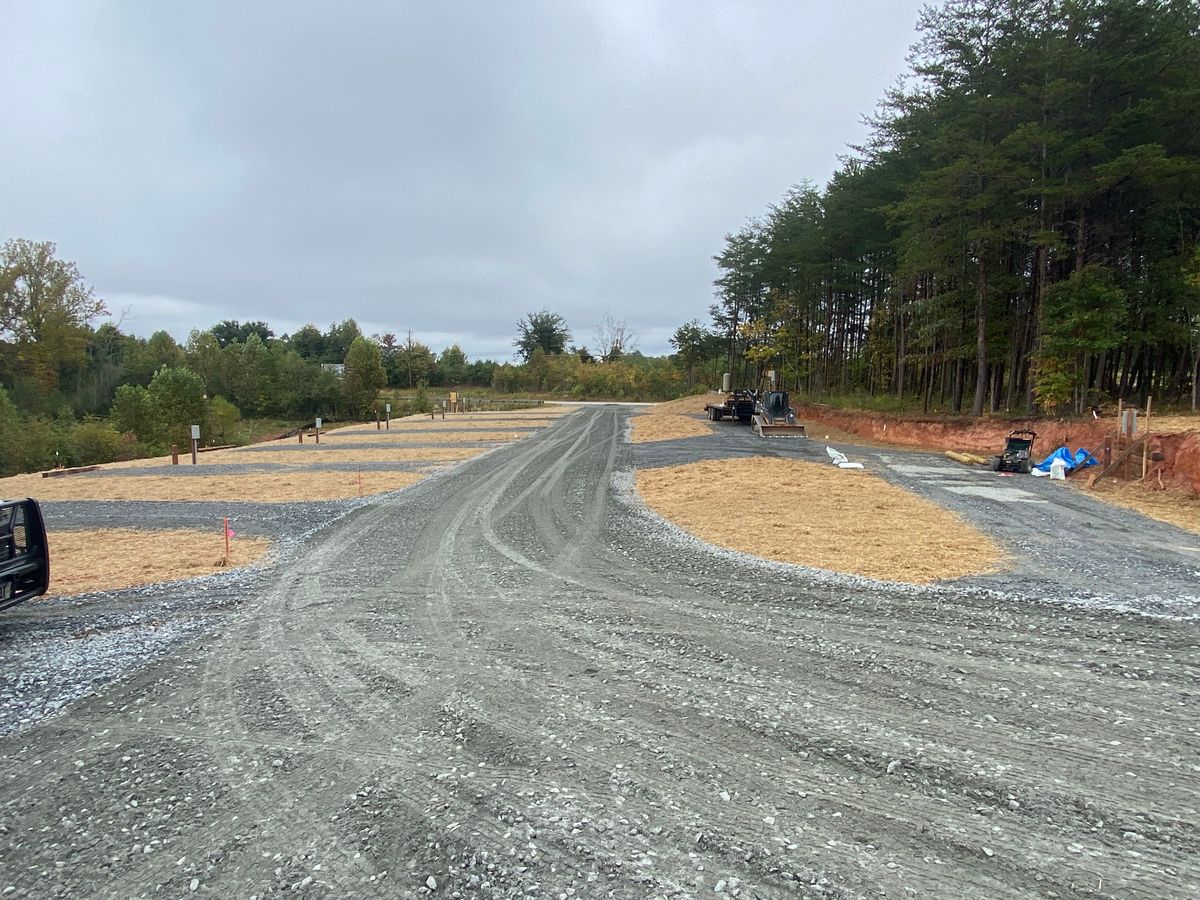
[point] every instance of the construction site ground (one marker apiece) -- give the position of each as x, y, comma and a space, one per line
515, 679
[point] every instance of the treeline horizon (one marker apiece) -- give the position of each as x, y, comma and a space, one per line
1019, 233
72, 393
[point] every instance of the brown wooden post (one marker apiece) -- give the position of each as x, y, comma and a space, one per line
301, 435
378, 427
174, 454
1120, 427
1146, 444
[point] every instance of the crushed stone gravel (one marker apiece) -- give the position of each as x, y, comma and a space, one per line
511, 680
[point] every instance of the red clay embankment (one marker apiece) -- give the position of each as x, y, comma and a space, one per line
1181, 458
1181, 451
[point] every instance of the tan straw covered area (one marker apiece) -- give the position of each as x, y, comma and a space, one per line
820, 516
115, 558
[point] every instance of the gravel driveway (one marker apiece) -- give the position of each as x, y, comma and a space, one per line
511, 680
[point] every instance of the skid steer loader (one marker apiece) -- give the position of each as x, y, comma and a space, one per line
773, 416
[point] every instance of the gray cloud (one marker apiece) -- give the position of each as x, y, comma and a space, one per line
443, 168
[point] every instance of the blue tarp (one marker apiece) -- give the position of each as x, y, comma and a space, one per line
1064, 454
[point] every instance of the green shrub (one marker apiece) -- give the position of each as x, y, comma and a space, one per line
10, 436
225, 417
419, 403
42, 445
93, 441
132, 412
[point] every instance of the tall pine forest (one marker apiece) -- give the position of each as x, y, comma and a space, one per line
1019, 232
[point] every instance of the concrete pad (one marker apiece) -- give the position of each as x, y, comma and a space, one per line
930, 471
987, 492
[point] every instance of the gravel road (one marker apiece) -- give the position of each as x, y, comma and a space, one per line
511, 680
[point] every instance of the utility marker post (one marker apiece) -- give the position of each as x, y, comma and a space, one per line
389, 417
318, 430
195, 441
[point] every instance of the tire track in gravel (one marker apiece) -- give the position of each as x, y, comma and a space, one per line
319, 683
655, 713
848, 681
334, 704
508, 681
842, 670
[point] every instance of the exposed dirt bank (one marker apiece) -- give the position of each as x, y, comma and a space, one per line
1180, 447
1181, 458
984, 436
820, 516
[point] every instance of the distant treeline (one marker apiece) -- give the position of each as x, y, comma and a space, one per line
244, 362
75, 394
1019, 232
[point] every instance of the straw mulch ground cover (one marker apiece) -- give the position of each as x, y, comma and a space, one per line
672, 420
83, 561
253, 487
821, 516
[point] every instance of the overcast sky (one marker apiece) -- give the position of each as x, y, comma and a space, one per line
442, 167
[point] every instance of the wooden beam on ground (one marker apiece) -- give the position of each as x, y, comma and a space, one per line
1134, 445
1079, 466
56, 473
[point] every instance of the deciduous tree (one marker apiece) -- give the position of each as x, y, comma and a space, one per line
45, 308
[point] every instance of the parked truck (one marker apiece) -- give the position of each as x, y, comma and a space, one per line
24, 555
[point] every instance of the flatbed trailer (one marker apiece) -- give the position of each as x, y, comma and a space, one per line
733, 405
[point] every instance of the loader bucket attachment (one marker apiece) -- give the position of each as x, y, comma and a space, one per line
763, 428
